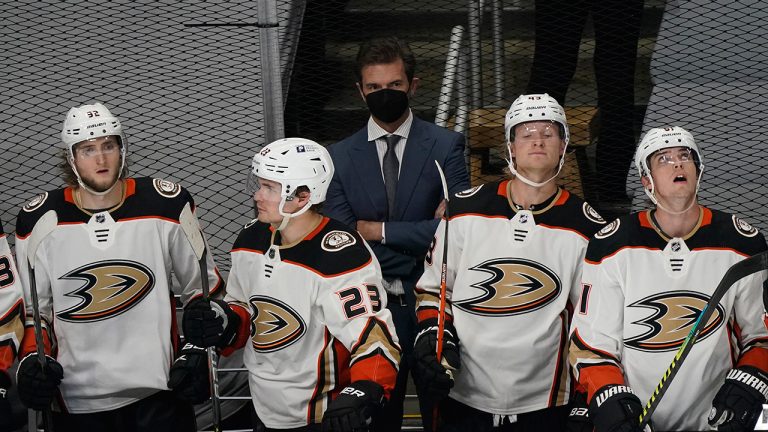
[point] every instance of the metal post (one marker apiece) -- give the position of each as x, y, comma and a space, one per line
272, 88
462, 103
475, 20
449, 76
498, 53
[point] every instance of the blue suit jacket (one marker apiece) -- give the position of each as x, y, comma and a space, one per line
357, 193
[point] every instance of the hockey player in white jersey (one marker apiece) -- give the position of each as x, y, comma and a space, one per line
11, 326
514, 259
646, 279
304, 297
105, 247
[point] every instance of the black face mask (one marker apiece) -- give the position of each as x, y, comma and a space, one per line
387, 105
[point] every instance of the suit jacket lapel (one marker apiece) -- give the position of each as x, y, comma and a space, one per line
417, 151
365, 160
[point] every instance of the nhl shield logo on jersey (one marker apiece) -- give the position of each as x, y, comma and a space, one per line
469, 192
36, 202
592, 214
608, 230
335, 241
166, 188
111, 287
743, 227
516, 286
274, 324
674, 314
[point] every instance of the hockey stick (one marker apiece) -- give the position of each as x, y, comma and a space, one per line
44, 226
191, 228
443, 283
735, 273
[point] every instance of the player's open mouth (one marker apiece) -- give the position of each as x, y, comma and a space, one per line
679, 178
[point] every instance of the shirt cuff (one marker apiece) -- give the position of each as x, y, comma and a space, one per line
383, 234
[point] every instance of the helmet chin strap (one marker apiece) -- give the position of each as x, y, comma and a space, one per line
287, 216
529, 182
649, 192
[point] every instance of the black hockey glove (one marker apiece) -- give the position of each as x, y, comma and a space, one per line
6, 413
353, 408
433, 378
615, 408
578, 414
189, 378
209, 323
738, 403
37, 387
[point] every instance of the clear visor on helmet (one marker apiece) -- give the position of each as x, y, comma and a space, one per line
536, 130
94, 147
252, 185
672, 156
255, 184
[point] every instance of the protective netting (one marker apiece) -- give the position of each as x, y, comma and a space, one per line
186, 80
191, 96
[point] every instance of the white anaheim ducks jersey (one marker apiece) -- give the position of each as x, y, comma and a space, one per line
642, 293
511, 276
104, 283
314, 318
11, 306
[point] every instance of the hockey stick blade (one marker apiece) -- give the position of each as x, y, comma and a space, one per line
735, 273
44, 226
191, 228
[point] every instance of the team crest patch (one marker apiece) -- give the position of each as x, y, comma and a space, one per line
166, 188
743, 227
608, 230
337, 240
468, 192
36, 202
592, 214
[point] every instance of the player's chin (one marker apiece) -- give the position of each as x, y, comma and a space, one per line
264, 217
101, 185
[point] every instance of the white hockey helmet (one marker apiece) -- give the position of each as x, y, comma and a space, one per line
660, 138
294, 162
88, 122
535, 107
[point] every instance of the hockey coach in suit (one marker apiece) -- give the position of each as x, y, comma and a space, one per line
387, 186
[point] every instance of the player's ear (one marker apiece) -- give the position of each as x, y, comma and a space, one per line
646, 183
302, 197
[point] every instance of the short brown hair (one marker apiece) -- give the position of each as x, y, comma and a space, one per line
382, 51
